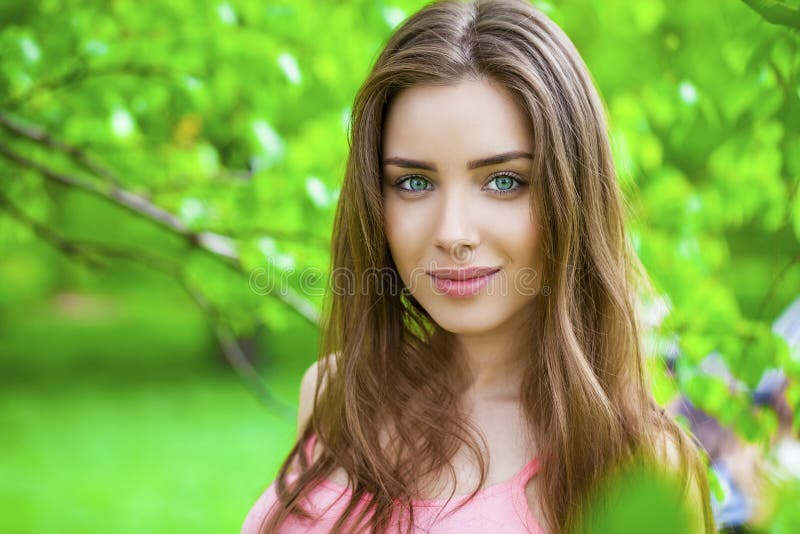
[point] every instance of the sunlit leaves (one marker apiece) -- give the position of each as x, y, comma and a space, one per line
233, 116
641, 498
746, 173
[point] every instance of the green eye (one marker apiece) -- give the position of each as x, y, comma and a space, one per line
415, 184
505, 184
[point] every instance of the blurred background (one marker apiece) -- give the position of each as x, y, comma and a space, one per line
168, 176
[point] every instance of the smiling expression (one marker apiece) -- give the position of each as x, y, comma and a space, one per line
456, 180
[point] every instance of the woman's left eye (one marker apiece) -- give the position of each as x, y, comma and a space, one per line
504, 183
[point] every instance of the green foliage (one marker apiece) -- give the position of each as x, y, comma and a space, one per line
205, 144
640, 499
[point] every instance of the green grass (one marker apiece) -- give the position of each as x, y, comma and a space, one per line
131, 424
164, 456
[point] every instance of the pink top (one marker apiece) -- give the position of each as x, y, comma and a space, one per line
498, 509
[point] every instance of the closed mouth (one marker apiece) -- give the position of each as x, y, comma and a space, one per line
463, 274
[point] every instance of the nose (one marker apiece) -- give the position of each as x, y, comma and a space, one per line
456, 232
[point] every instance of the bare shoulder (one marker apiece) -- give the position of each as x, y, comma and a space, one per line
308, 386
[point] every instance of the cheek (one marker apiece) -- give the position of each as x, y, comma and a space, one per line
402, 234
532, 243
522, 245
531, 239
392, 222
517, 233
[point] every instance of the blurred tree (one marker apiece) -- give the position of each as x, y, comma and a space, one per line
206, 140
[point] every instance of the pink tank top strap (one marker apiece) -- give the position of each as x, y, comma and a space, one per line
527, 472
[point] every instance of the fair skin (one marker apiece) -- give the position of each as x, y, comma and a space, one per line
442, 210
446, 128
457, 219
456, 187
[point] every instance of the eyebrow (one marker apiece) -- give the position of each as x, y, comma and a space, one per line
474, 164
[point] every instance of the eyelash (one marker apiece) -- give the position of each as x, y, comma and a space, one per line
499, 192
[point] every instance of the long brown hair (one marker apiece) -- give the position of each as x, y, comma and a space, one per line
585, 392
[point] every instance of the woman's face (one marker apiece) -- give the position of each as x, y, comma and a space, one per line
455, 178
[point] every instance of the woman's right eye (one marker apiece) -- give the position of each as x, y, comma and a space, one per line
416, 184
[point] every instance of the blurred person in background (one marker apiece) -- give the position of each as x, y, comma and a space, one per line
741, 467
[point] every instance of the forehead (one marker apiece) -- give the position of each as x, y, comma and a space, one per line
469, 119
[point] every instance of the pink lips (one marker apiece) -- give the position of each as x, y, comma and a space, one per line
462, 282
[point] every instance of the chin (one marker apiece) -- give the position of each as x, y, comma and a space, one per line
467, 322
464, 329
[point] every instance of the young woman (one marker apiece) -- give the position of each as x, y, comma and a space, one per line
482, 368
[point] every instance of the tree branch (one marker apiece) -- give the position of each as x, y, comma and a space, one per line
776, 12
134, 203
773, 286
43, 138
87, 252
69, 248
221, 247
81, 72
235, 355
